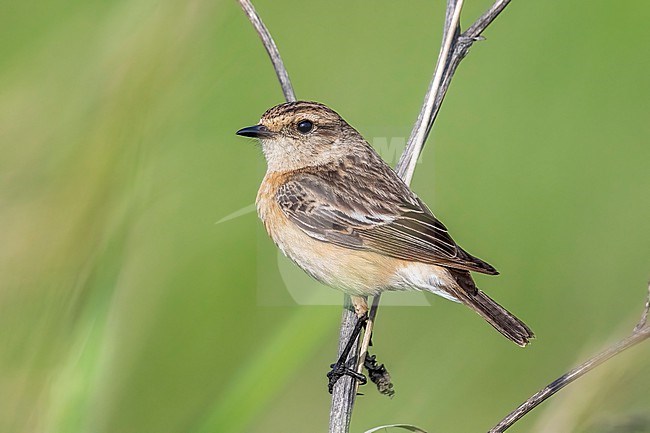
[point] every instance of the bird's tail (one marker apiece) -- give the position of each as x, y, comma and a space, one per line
497, 316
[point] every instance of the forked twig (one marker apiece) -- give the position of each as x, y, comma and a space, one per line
438, 88
455, 47
640, 333
406, 165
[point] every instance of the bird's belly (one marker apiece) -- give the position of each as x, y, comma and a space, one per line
355, 272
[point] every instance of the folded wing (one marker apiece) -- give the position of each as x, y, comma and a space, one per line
392, 222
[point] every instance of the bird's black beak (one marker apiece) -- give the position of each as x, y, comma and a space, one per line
257, 131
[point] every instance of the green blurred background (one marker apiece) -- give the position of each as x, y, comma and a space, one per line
124, 307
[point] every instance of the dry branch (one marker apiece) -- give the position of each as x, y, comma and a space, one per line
345, 389
271, 49
461, 44
640, 333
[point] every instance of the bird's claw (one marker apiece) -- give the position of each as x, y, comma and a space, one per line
338, 371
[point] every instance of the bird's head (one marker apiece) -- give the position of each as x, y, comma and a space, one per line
301, 134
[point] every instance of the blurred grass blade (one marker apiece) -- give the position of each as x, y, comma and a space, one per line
243, 211
267, 369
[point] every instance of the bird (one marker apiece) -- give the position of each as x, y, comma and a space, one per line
336, 209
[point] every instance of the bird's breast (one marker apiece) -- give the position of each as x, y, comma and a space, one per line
355, 272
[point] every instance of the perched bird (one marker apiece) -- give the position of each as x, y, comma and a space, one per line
338, 211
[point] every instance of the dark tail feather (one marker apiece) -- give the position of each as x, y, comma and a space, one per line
497, 316
502, 320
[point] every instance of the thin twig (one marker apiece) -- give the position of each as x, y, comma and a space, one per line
486, 19
271, 49
344, 390
435, 96
644, 316
406, 165
448, 60
641, 332
455, 47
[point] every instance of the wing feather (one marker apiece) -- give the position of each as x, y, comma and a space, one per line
397, 224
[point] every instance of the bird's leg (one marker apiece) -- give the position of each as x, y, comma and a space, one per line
340, 368
360, 304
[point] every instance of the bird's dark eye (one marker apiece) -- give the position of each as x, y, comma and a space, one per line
304, 126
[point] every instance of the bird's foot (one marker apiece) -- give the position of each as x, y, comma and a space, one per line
341, 367
339, 370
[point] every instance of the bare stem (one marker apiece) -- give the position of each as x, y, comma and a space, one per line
448, 60
454, 48
461, 44
406, 165
345, 389
271, 49
641, 332
644, 316
486, 19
